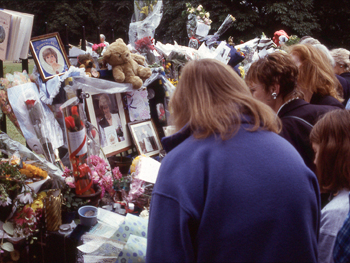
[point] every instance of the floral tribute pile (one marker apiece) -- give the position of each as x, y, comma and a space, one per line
20, 207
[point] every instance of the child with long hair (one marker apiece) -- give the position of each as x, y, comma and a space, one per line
330, 139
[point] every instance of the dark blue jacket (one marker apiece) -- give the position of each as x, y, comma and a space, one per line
346, 88
250, 198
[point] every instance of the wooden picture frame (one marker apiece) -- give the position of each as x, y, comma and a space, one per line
49, 55
113, 140
148, 145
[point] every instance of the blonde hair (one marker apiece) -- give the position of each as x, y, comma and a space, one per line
211, 98
104, 100
342, 57
316, 72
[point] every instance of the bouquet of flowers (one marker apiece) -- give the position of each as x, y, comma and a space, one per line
98, 48
36, 115
143, 8
228, 22
198, 24
101, 175
77, 146
199, 12
19, 205
11, 80
144, 44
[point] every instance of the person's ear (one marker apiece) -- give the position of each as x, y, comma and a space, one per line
275, 89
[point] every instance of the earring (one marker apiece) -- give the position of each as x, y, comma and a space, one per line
274, 95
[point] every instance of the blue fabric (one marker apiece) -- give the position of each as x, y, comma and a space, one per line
250, 198
341, 252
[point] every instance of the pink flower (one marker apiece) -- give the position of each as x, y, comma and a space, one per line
95, 47
94, 176
116, 173
95, 160
66, 172
23, 216
100, 169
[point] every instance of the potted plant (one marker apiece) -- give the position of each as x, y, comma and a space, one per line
71, 204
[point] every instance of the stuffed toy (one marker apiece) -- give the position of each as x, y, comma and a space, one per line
126, 66
280, 37
86, 61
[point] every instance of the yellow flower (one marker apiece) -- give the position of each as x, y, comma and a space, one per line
207, 14
241, 70
134, 163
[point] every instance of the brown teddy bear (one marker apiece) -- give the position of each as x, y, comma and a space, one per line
126, 66
86, 61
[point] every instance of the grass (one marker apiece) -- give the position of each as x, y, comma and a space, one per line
10, 67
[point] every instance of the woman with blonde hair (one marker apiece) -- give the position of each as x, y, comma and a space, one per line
330, 139
316, 77
108, 120
230, 188
341, 57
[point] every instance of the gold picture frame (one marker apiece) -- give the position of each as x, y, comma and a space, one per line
49, 55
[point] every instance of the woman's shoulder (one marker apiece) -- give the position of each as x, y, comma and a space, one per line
335, 212
318, 99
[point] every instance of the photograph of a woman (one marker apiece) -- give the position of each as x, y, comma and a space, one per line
108, 119
146, 140
145, 137
49, 55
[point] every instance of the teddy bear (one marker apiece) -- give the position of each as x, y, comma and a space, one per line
86, 61
126, 66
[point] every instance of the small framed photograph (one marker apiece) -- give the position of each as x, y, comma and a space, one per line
49, 55
106, 112
145, 137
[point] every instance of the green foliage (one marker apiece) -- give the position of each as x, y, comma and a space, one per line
70, 201
322, 19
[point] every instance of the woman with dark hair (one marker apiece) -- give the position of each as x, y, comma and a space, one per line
230, 188
330, 139
273, 80
316, 77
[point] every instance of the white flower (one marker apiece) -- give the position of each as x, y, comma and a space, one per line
5, 203
70, 181
26, 198
199, 8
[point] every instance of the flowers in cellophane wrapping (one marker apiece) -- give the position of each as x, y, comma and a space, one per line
228, 22
77, 146
37, 119
198, 24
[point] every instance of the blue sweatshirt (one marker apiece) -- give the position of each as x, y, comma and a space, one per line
250, 198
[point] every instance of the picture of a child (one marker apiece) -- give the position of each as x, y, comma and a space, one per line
50, 57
